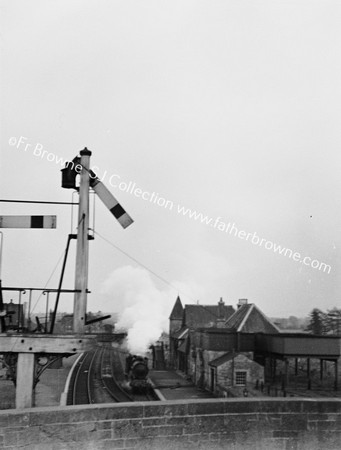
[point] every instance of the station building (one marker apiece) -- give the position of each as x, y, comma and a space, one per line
231, 351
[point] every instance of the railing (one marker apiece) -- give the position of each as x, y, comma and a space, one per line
22, 323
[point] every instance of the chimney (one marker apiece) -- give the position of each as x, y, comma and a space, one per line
220, 323
221, 309
241, 302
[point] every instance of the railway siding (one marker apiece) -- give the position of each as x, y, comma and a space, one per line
191, 424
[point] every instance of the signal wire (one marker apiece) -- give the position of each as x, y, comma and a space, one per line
55, 268
47, 282
142, 265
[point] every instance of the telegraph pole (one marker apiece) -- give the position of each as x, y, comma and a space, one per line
82, 253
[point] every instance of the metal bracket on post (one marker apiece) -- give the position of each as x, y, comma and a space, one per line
10, 360
41, 362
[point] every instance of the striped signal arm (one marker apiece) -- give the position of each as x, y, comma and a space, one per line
28, 221
110, 201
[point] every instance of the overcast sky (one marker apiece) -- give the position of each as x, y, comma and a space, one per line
229, 108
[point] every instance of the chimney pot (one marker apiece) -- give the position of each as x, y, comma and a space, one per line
241, 302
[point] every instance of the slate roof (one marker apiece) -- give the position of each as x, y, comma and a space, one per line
198, 316
249, 319
178, 310
223, 359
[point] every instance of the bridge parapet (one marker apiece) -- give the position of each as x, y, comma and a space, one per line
213, 424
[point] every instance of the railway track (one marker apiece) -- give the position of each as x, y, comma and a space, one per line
79, 394
93, 379
110, 365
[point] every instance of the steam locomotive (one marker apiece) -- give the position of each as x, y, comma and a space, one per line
137, 373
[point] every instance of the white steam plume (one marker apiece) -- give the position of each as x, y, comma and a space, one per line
144, 309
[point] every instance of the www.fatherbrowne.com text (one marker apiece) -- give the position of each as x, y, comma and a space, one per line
131, 188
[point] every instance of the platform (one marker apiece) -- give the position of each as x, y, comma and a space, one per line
173, 386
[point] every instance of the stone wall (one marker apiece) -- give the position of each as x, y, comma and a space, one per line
226, 372
211, 424
223, 373
207, 357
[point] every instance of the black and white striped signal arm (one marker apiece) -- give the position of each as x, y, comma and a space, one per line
110, 201
28, 221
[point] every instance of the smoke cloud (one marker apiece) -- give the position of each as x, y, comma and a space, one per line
143, 308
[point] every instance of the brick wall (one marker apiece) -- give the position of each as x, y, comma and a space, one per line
185, 425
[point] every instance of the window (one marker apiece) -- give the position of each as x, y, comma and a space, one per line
240, 379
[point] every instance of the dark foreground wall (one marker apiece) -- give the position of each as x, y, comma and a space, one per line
198, 424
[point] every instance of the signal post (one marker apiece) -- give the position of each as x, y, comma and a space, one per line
82, 253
